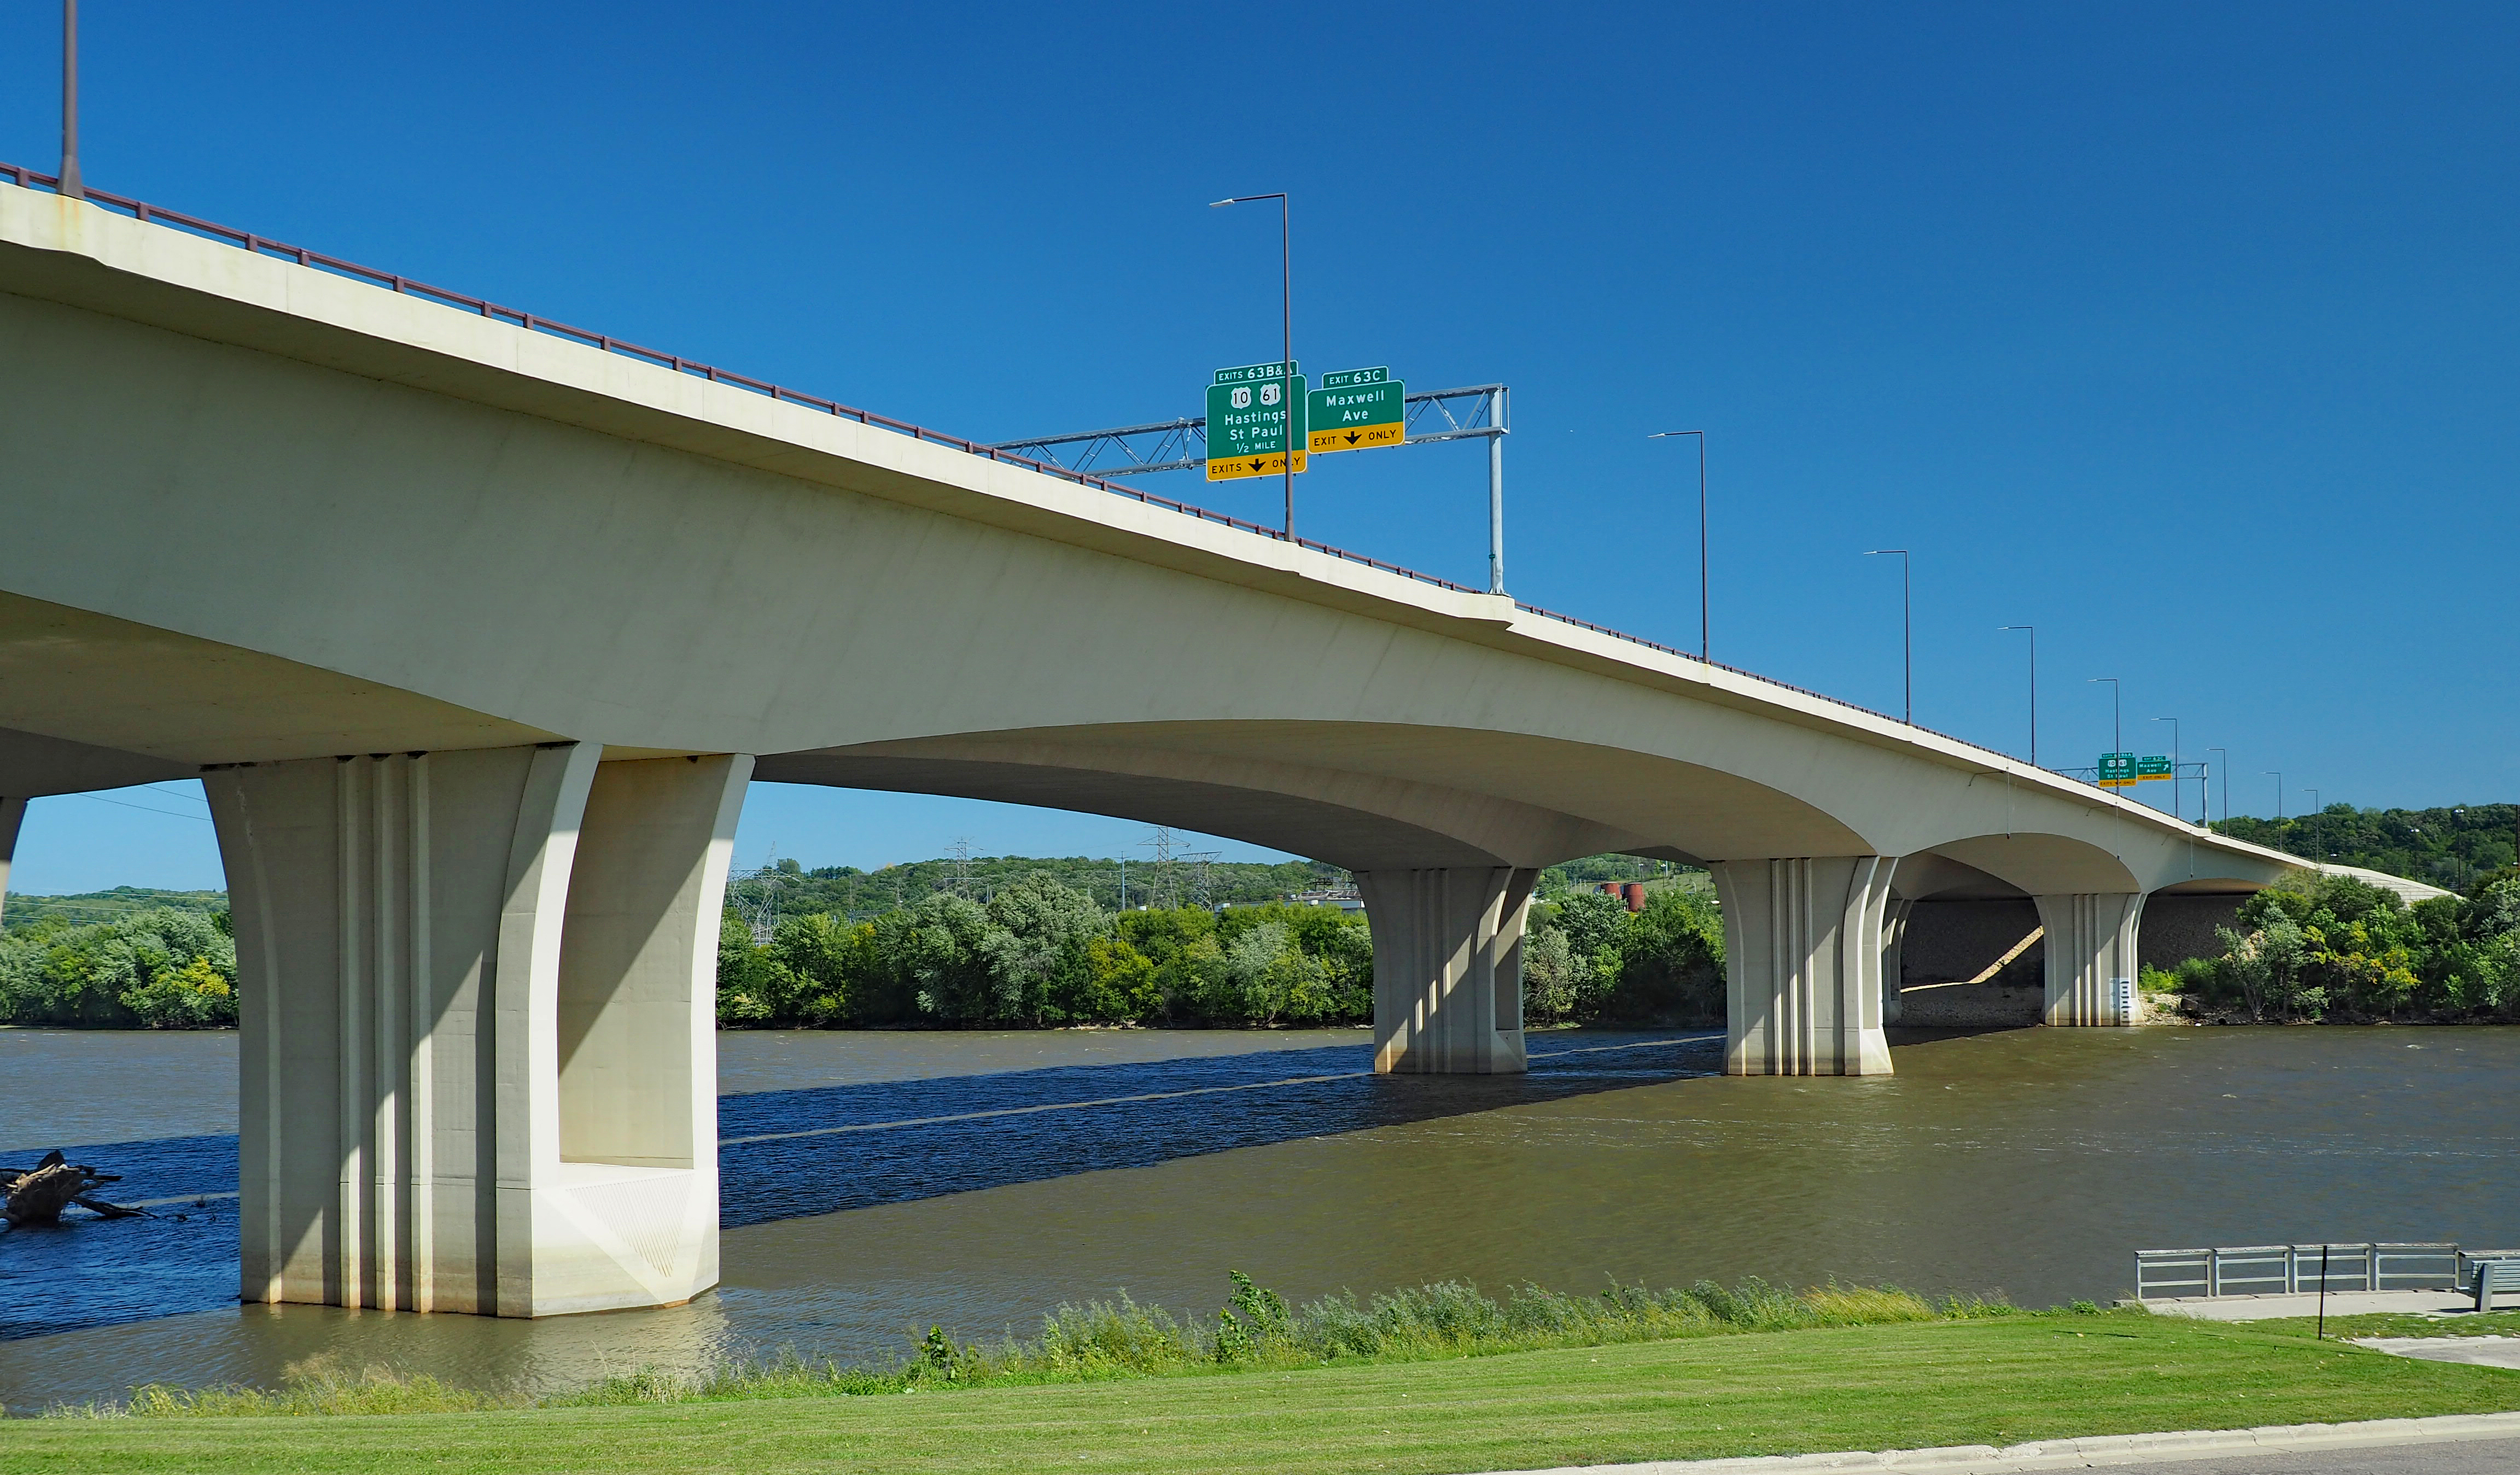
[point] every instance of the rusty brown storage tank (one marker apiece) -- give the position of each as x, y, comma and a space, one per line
1635, 891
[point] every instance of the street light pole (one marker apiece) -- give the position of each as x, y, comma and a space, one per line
2204, 810
2034, 687
2313, 799
2174, 761
1286, 284
1704, 603
70, 187
2277, 776
2117, 721
1907, 631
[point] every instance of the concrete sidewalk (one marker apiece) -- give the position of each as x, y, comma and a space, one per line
2099, 1453
2431, 1303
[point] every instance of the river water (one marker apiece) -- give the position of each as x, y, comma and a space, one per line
878, 1182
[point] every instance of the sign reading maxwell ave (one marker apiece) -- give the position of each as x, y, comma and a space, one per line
1357, 410
2154, 767
2117, 770
1254, 419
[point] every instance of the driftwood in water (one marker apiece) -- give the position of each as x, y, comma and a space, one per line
38, 1195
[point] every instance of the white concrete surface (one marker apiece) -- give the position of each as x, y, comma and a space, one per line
479, 1057
13, 814
1448, 968
2090, 942
2268, 1308
1805, 950
339, 522
2407, 891
2101, 1451
2481, 1352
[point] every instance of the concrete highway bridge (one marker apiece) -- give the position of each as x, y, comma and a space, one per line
476, 630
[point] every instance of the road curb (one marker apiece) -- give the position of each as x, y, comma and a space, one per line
2095, 1453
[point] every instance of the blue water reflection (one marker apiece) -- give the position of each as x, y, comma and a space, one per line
789, 1153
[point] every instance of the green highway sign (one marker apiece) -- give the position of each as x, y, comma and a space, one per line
1255, 414
2153, 767
2117, 770
1251, 372
1357, 410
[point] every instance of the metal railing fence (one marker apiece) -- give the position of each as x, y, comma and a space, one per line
2271, 1270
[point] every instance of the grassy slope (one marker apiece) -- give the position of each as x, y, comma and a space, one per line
1876, 1387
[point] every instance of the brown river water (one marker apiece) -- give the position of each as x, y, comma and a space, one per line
985, 1177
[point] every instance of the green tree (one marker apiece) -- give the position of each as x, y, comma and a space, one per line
1039, 932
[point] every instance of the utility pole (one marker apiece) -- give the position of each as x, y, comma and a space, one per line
1907, 630
70, 187
2117, 720
2173, 762
2034, 687
1286, 268
1495, 494
1704, 601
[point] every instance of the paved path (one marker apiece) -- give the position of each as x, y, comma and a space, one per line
2428, 1303
2457, 1445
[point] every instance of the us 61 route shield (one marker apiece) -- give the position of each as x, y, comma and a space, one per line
1356, 411
1254, 414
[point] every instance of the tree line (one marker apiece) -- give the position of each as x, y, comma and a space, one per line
2332, 947
162, 967
2452, 845
1042, 953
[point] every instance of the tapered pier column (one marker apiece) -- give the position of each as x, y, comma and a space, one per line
1448, 968
12, 813
2091, 947
477, 993
1803, 953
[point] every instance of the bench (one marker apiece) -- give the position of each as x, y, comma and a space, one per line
2495, 1277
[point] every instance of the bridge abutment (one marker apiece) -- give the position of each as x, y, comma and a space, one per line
1448, 968
2090, 944
1804, 945
479, 1055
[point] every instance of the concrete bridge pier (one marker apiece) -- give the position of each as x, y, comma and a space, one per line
479, 1057
1448, 968
1894, 938
2090, 943
1804, 945
12, 813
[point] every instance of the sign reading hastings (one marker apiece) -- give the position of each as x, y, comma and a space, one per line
1356, 411
2117, 770
1254, 418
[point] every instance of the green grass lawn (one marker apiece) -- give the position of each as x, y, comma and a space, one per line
1997, 1381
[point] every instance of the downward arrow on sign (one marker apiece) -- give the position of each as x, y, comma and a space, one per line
1351, 437
1257, 464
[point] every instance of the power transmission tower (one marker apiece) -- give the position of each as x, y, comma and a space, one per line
1199, 861
756, 899
1166, 890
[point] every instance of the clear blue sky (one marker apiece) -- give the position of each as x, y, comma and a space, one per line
2184, 332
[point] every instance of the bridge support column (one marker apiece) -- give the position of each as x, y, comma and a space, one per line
478, 1056
12, 813
1448, 968
1893, 940
1804, 948
2090, 944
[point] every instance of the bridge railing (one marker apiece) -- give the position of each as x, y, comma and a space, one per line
264, 246
2269, 1269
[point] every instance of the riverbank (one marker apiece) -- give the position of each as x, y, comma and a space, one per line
1996, 1381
